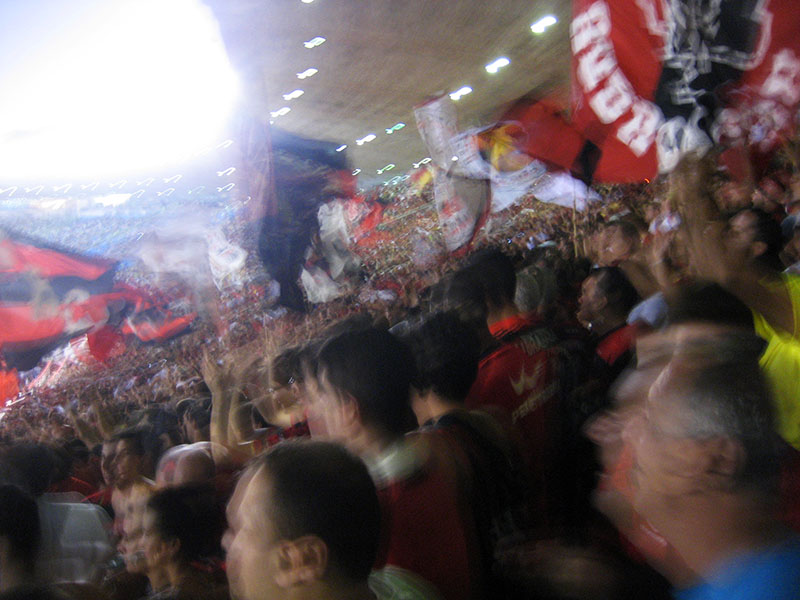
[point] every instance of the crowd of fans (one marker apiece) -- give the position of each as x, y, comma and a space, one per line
614, 417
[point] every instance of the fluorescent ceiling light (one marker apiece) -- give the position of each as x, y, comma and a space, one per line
280, 112
314, 42
461, 92
498, 64
543, 23
342, 147
307, 73
293, 95
367, 138
357, 171
395, 127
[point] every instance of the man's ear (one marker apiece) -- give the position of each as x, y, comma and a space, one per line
351, 413
301, 561
723, 459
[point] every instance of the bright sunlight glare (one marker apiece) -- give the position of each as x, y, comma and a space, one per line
142, 84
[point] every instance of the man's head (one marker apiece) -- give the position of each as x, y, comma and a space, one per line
19, 528
364, 382
304, 517
758, 235
130, 459
706, 431
483, 289
446, 352
108, 454
621, 241
197, 424
607, 296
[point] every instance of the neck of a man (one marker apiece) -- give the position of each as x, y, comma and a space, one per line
326, 590
608, 321
501, 313
716, 527
430, 405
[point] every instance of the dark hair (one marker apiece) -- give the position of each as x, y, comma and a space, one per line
200, 416
320, 489
709, 303
768, 231
19, 524
375, 369
28, 466
616, 287
135, 437
464, 294
286, 365
446, 352
732, 399
190, 514
495, 272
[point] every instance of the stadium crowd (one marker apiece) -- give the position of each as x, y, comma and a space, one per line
614, 417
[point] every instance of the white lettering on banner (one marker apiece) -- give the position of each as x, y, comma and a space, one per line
784, 80
640, 131
590, 26
596, 64
612, 100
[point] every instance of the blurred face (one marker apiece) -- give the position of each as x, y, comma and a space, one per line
127, 463
154, 549
742, 231
665, 458
618, 247
250, 542
325, 411
107, 457
130, 546
591, 301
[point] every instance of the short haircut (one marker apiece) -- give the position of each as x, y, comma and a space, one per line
19, 524
494, 272
768, 231
200, 416
190, 514
286, 365
375, 368
29, 466
617, 288
135, 437
626, 228
732, 399
320, 489
464, 294
446, 352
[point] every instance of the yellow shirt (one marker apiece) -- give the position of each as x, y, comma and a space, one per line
781, 364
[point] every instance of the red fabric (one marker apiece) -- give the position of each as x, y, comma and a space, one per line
422, 531
519, 381
16, 258
544, 133
615, 71
72, 484
105, 343
9, 386
617, 343
157, 330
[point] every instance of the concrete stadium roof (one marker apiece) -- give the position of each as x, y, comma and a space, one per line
382, 58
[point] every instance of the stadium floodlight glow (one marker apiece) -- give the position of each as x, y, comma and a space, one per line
280, 112
306, 1
461, 92
99, 102
314, 42
310, 72
395, 127
496, 65
356, 172
342, 147
293, 95
454, 159
367, 138
542, 24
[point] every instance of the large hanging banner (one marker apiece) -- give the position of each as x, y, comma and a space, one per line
655, 79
